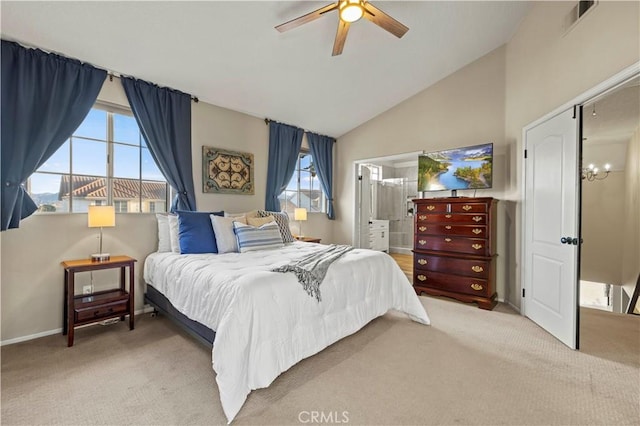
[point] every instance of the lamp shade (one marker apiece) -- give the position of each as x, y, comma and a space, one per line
101, 216
300, 214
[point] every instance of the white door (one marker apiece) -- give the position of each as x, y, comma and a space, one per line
551, 226
365, 206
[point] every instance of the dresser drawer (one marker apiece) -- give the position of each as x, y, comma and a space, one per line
479, 231
433, 208
469, 208
468, 267
475, 219
454, 283
453, 244
102, 311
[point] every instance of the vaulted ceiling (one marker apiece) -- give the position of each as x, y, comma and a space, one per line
230, 55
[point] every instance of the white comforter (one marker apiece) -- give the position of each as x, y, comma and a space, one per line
264, 321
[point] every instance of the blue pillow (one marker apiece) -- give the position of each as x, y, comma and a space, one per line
195, 232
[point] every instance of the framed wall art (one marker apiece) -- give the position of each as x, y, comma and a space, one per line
225, 171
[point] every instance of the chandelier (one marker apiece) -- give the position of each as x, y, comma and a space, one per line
592, 173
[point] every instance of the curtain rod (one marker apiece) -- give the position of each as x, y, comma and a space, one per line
111, 74
268, 120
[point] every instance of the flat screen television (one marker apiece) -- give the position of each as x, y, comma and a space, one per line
470, 167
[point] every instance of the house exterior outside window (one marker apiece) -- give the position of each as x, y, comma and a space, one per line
105, 162
304, 188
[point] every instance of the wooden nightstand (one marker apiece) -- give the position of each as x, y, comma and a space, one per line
308, 239
88, 308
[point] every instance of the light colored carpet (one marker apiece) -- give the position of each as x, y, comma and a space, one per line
470, 367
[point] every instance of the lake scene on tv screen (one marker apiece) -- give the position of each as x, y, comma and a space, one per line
462, 168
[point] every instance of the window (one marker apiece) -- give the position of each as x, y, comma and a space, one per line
304, 188
106, 161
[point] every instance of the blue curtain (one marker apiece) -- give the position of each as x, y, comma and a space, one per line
45, 97
322, 152
284, 146
164, 118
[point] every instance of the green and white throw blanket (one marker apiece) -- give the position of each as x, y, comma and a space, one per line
311, 269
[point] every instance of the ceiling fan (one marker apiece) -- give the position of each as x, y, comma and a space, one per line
349, 11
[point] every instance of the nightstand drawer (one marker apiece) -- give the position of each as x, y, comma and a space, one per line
101, 311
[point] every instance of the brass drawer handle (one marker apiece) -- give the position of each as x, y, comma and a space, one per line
477, 246
422, 228
477, 218
448, 216
421, 277
477, 268
477, 231
422, 242
448, 240
431, 208
466, 207
448, 227
476, 287
422, 261
422, 217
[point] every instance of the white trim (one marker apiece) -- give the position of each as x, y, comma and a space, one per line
412, 163
30, 337
591, 94
401, 250
595, 92
20, 339
514, 307
389, 157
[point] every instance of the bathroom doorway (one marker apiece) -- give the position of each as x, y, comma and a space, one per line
393, 186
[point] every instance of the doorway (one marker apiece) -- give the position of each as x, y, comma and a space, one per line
627, 249
385, 201
609, 125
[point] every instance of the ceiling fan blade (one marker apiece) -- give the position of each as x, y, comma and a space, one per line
383, 20
294, 23
341, 37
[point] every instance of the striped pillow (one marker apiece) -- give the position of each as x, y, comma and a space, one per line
282, 219
251, 238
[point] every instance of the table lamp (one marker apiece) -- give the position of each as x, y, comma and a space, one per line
99, 217
300, 214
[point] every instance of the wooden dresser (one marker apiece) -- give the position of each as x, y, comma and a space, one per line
454, 249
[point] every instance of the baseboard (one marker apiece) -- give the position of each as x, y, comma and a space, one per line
515, 308
144, 310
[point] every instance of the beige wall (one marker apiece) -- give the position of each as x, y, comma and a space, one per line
631, 234
546, 68
540, 69
31, 287
602, 208
465, 108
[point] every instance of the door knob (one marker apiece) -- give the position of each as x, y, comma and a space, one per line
570, 240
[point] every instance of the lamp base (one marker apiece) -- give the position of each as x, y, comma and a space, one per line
100, 257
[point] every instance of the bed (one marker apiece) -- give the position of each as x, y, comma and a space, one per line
263, 322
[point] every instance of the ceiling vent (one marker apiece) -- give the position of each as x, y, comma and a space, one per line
577, 13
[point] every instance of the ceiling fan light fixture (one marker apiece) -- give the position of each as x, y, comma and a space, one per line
351, 10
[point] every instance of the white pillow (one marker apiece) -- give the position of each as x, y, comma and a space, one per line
164, 242
251, 238
173, 233
250, 214
225, 237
